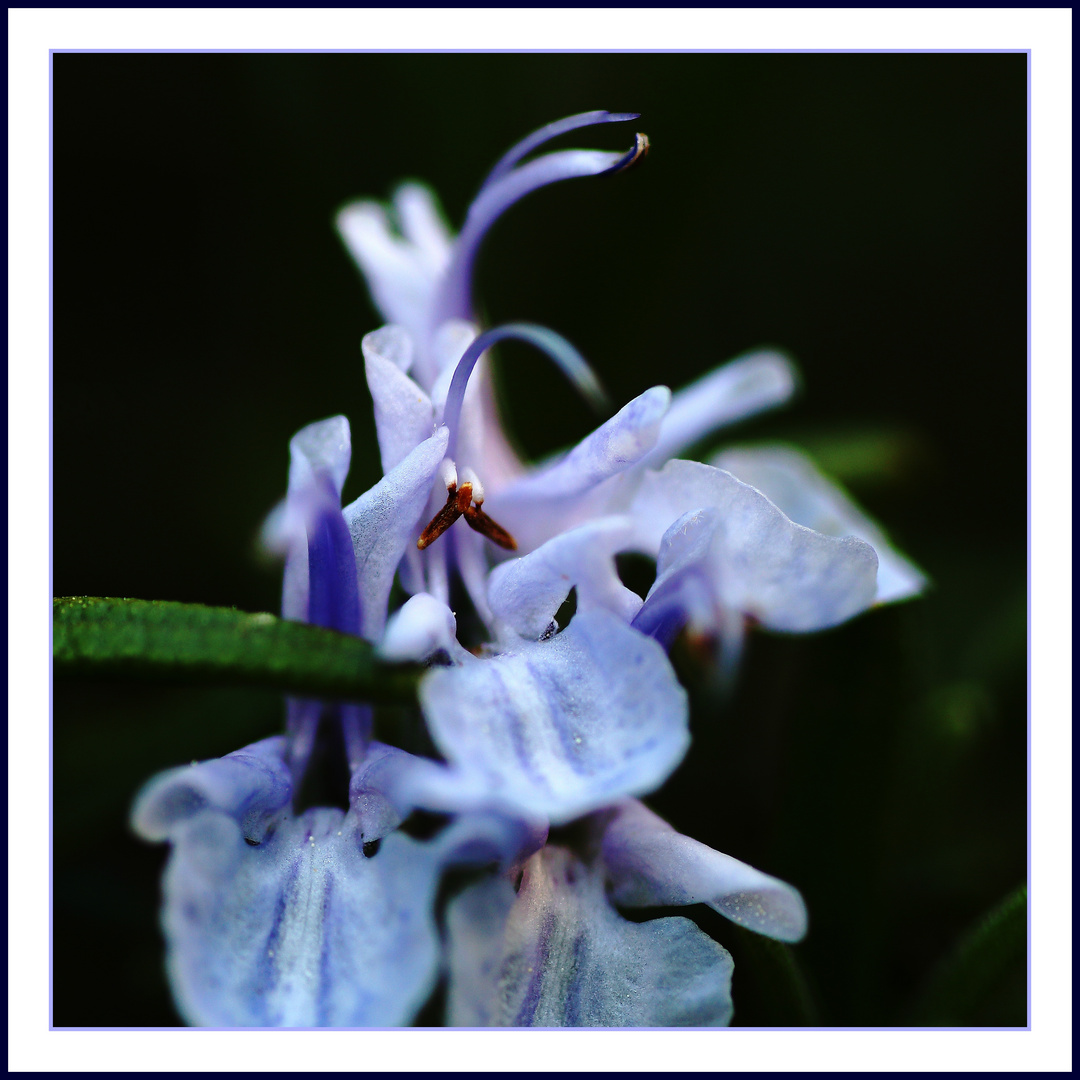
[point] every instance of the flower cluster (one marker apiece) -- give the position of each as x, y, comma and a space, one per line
547, 736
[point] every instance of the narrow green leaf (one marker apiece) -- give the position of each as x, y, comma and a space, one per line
189, 643
976, 970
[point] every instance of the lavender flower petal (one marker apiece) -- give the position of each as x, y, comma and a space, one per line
385, 521
421, 627
558, 955
757, 560
790, 479
740, 388
525, 593
404, 416
402, 271
273, 920
649, 864
580, 484
320, 572
558, 728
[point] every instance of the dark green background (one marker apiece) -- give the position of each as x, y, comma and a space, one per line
866, 212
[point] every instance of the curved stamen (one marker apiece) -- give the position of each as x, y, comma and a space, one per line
454, 299
549, 132
569, 361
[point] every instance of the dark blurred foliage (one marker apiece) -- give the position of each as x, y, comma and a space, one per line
867, 213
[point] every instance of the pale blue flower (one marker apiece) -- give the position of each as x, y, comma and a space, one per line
278, 919
323, 917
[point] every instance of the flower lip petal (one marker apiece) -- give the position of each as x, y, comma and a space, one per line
568, 724
254, 780
302, 929
278, 920
559, 955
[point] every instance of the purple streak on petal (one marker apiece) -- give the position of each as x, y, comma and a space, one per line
548, 132
333, 600
670, 608
454, 298
356, 724
684, 590
304, 717
568, 360
352, 938
306, 529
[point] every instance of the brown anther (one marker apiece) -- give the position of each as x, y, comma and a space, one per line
445, 517
481, 523
458, 503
